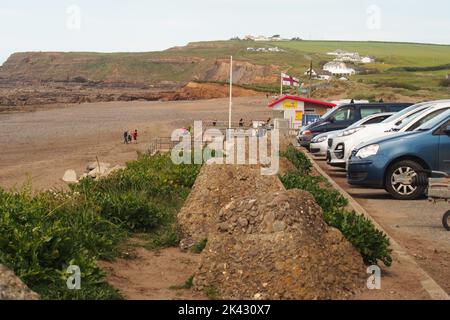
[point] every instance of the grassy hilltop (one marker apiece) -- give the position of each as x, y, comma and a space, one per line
401, 69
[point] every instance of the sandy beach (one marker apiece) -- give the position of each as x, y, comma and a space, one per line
46, 142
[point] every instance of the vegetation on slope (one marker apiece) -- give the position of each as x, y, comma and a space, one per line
42, 234
361, 232
421, 64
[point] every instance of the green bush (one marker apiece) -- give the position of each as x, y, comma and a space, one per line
42, 234
298, 159
416, 69
372, 244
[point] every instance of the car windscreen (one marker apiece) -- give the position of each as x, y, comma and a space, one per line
407, 120
371, 120
330, 112
401, 114
435, 121
422, 119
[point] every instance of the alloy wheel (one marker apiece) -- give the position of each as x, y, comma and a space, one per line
401, 180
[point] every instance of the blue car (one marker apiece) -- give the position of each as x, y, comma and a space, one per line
393, 163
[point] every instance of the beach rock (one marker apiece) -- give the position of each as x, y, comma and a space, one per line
70, 176
94, 165
98, 172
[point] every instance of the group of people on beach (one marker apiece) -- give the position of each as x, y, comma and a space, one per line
242, 123
261, 123
129, 137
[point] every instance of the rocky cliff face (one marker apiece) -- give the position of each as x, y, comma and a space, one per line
34, 68
36, 78
243, 72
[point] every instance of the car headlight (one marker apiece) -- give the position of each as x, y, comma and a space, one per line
350, 132
368, 151
319, 140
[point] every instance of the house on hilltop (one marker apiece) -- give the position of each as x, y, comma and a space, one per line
367, 59
319, 75
338, 69
311, 72
336, 52
263, 38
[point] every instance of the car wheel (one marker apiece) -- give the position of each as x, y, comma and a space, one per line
400, 177
446, 221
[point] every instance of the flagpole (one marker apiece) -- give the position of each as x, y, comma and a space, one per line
281, 85
231, 91
310, 79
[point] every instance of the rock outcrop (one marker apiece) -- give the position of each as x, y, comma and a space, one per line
276, 245
215, 187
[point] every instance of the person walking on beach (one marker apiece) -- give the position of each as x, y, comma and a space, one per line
125, 137
135, 136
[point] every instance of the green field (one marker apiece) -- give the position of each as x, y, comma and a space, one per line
401, 68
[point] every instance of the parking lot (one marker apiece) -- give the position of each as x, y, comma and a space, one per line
415, 225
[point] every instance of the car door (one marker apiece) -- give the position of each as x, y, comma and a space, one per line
342, 119
444, 148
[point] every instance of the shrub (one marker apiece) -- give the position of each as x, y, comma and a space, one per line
372, 244
42, 234
298, 159
416, 69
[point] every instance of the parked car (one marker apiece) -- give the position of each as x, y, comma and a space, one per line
319, 144
340, 147
394, 162
344, 116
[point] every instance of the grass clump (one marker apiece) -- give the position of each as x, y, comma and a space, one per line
42, 234
372, 244
199, 246
212, 293
186, 286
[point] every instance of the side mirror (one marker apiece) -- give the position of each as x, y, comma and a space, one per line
331, 120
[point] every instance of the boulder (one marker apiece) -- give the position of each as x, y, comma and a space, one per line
94, 165
12, 288
276, 245
98, 172
70, 176
214, 188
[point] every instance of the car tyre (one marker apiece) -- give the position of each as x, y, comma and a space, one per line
400, 180
446, 221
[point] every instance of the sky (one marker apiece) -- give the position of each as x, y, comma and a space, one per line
139, 25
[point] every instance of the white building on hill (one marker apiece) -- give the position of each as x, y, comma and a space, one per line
367, 60
338, 69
